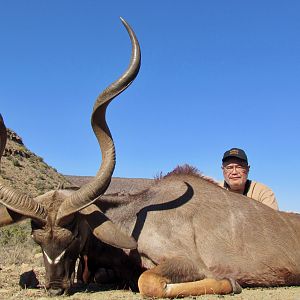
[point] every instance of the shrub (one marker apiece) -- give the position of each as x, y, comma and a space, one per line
14, 234
40, 158
6, 177
16, 163
40, 186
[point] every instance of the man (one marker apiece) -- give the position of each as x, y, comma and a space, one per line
235, 170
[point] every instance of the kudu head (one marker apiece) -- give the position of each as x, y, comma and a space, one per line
62, 220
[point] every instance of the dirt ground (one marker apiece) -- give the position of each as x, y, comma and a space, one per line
10, 289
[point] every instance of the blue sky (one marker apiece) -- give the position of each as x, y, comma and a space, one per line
214, 75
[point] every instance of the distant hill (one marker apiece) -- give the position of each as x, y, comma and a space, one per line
117, 185
28, 172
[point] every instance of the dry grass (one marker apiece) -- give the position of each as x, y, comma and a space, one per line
16, 244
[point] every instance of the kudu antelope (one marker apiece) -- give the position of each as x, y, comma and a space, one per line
63, 221
193, 237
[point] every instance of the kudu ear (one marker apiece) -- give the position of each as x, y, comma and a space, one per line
105, 230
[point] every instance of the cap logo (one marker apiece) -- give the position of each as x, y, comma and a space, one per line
234, 152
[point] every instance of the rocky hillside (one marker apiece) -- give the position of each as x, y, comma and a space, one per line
27, 171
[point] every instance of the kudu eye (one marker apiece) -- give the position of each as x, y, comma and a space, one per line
36, 225
73, 227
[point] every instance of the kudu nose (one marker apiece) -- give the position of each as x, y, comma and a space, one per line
55, 291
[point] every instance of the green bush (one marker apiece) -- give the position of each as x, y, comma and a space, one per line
14, 234
16, 163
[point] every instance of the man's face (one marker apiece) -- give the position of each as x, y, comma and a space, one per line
235, 173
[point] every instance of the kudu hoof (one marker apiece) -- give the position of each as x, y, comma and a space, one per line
236, 288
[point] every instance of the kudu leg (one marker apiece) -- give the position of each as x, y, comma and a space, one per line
157, 283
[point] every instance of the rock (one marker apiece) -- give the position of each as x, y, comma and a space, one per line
28, 280
14, 137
